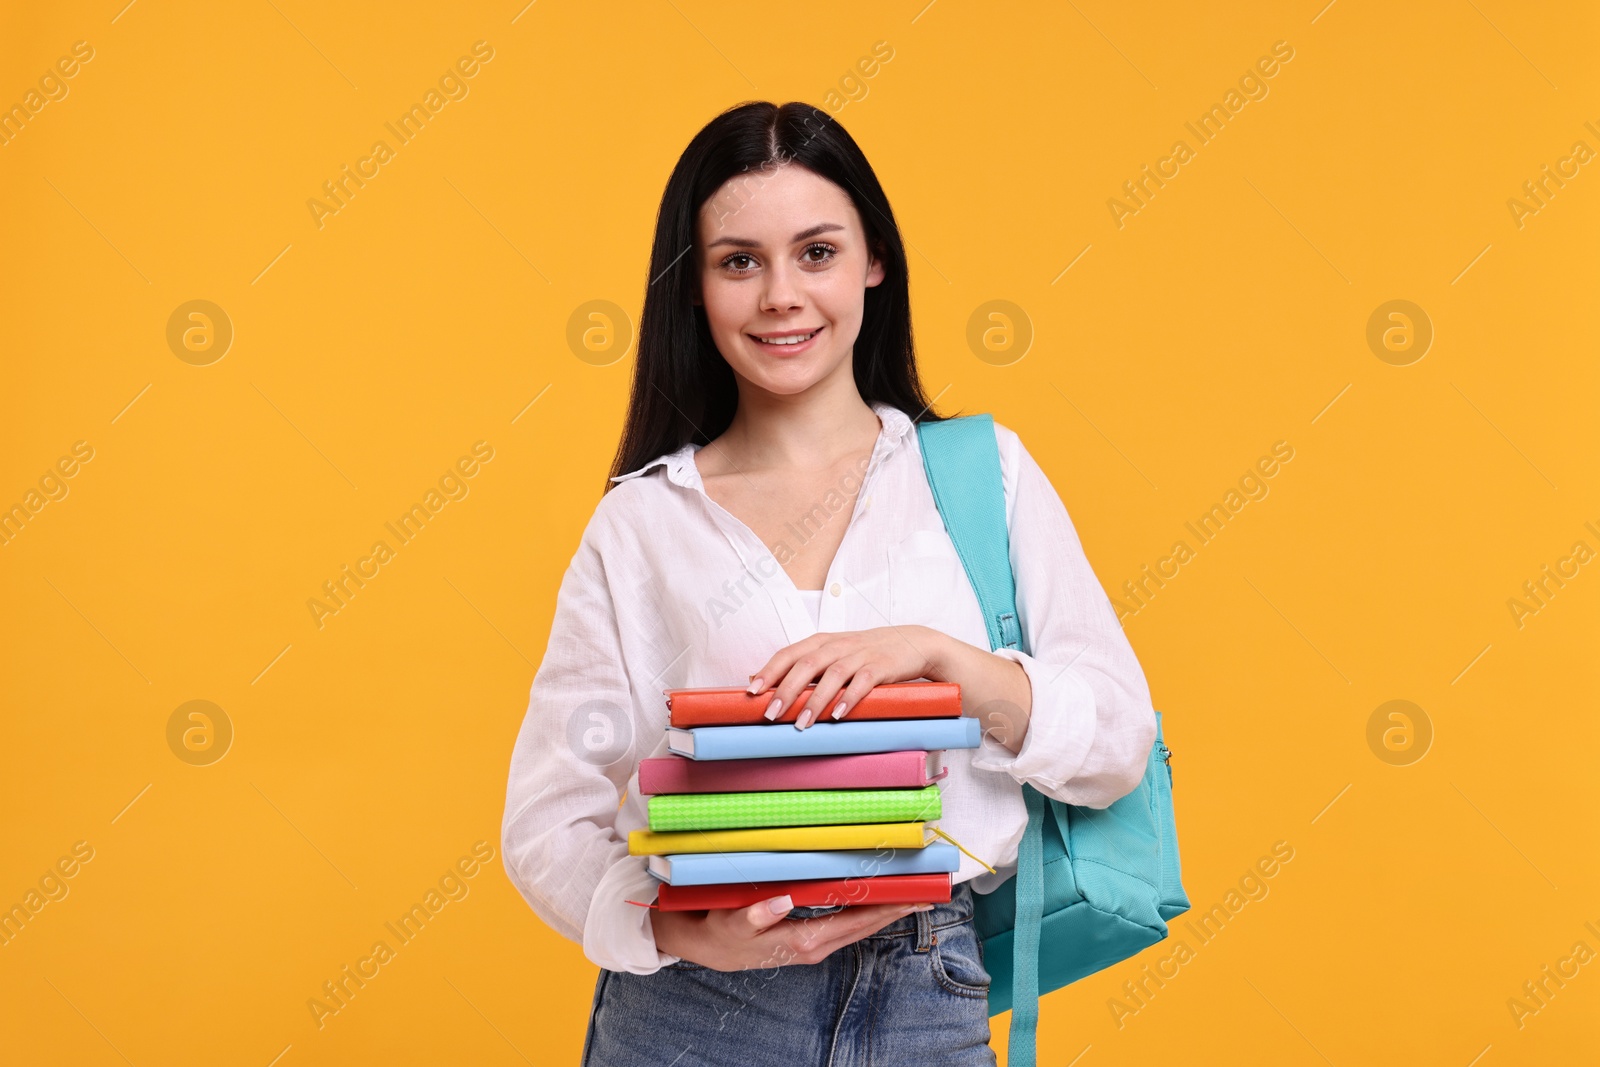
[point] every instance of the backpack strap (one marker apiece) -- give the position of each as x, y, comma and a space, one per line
962, 459
1025, 933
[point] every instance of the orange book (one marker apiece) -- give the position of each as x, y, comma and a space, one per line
732, 705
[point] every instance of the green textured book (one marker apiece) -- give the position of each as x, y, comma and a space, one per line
810, 807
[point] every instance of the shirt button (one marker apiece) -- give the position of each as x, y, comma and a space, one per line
834, 589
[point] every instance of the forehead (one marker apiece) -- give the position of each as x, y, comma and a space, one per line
773, 205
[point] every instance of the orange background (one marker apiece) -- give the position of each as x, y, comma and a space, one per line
1164, 356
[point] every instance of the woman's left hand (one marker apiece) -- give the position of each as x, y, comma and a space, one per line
854, 661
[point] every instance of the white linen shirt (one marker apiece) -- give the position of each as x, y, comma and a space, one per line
668, 589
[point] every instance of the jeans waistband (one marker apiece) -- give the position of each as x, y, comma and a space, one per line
957, 910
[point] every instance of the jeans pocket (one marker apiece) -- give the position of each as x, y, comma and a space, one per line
957, 961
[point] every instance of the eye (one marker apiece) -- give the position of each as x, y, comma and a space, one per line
818, 247
727, 264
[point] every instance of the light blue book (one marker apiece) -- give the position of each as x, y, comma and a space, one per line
714, 868
761, 740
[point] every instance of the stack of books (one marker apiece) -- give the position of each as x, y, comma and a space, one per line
746, 809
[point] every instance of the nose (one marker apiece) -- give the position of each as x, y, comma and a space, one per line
780, 293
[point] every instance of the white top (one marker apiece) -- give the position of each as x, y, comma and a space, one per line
667, 589
812, 599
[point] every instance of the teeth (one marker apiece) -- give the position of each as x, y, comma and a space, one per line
788, 340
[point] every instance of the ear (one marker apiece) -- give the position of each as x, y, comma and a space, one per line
875, 272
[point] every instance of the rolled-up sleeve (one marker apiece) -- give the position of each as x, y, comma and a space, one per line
573, 759
1092, 723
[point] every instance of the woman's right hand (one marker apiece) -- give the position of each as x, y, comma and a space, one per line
759, 936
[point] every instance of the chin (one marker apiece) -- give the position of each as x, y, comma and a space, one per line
787, 377
784, 386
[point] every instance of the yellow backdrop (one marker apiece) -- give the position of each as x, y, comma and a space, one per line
1294, 304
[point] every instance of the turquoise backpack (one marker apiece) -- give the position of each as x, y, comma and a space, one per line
1093, 886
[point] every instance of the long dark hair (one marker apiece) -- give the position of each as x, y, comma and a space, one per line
683, 390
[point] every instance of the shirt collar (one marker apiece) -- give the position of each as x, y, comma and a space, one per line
681, 468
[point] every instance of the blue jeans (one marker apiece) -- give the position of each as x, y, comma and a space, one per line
913, 993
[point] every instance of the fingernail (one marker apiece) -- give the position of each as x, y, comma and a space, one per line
774, 708
840, 710
805, 719
923, 907
755, 685
781, 905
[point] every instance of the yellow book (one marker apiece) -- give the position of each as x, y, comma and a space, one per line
782, 838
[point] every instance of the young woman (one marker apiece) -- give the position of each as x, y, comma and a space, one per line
769, 519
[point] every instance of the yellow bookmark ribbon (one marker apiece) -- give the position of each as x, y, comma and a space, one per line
958, 844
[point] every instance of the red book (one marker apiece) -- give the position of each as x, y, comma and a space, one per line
910, 769
732, 705
810, 892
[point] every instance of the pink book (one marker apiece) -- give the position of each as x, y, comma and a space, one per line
912, 768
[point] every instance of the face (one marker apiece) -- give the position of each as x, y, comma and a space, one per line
783, 268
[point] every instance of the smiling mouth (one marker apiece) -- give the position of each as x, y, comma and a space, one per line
785, 340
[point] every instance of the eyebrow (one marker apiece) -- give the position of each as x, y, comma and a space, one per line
745, 242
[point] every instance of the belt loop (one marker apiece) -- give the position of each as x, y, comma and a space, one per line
924, 930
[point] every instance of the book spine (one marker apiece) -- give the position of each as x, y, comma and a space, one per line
831, 738
810, 893
658, 774
725, 707
712, 868
780, 838
737, 811
904, 769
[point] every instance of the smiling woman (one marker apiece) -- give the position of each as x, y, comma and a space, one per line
769, 519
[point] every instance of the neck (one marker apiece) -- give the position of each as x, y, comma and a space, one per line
811, 430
